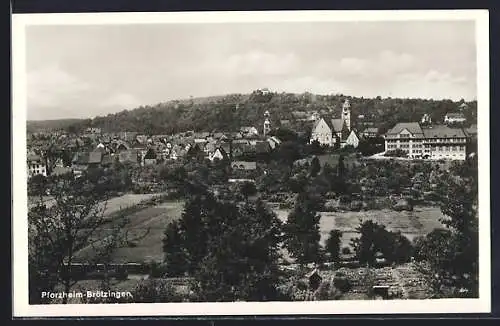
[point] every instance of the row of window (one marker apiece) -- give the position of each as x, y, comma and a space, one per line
445, 140
449, 148
428, 140
416, 148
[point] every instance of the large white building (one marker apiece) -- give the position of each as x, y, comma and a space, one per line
433, 142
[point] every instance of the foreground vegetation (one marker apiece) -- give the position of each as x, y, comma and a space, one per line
228, 245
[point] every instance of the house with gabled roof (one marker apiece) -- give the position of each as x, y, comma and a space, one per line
370, 132
456, 117
352, 140
249, 131
219, 154
273, 142
150, 158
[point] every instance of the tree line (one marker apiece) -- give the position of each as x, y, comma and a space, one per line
229, 113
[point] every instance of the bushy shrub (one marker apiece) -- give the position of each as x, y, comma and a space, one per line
356, 205
341, 282
396, 153
155, 290
330, 206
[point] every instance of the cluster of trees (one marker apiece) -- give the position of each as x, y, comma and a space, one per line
375, 238
230, 249
370, 146
107, 181
396, 153
47, 125
233, 248
452, 254
309, 176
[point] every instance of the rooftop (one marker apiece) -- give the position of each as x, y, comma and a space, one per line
455, 115
440, 131
412, 127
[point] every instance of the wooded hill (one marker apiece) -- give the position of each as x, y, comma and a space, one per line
47, 125
230, 112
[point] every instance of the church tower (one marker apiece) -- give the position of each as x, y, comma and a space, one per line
346, 114
267, 123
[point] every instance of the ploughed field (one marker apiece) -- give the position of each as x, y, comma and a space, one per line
419, 222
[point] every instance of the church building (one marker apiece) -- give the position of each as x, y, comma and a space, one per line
335, 132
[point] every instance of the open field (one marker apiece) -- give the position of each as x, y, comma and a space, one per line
145, 230
412, 224
112, 205
115, 204
155, 219
149, 224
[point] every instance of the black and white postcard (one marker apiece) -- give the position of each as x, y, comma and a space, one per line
251, 163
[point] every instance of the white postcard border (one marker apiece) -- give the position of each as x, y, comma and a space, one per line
21, 308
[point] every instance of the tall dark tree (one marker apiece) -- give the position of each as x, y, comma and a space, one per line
341, 169
248, 189
175, 254
333, 244
315, 167
302, 230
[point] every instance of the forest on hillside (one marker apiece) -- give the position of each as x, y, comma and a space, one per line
230, 112
47, 125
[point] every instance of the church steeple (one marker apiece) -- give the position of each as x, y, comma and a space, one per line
267, 123
346, 114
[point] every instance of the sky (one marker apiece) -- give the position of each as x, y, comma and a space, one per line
89, 70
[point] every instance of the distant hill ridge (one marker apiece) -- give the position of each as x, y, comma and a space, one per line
39, 125
230, 112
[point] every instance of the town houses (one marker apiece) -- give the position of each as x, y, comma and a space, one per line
95, 148
332, 129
